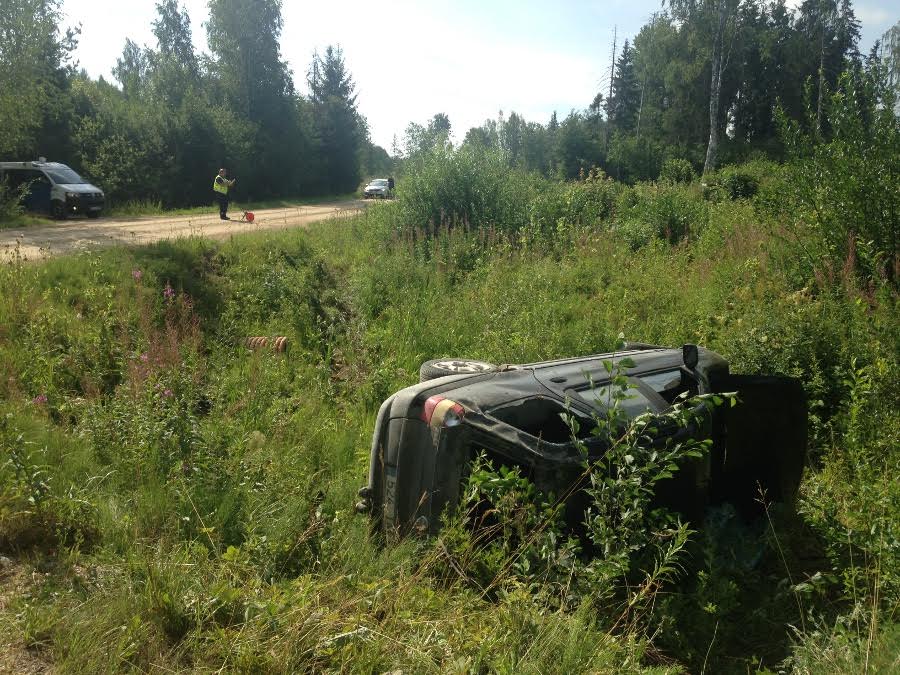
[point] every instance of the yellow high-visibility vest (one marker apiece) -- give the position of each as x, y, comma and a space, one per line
220, 187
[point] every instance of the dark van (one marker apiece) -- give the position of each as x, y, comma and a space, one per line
52, 188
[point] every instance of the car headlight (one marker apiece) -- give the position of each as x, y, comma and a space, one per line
71, 195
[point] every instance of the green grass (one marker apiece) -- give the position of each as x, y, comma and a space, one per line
25, 220
188, 504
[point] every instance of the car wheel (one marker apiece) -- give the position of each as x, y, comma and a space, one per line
93, 214
58, 211
443, 367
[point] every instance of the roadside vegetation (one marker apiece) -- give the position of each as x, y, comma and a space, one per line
170, 499
154, 136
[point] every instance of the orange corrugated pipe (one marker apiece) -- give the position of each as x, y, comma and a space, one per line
279, 343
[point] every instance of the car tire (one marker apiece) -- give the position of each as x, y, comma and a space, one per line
93, 214
58, 211
443, 367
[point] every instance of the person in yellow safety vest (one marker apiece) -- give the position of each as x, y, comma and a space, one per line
220, 188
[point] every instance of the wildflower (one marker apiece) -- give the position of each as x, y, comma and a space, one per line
40, 399
144, 358
168, 292
136, 274
168, 393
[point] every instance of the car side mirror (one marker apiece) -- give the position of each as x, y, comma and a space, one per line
690, 356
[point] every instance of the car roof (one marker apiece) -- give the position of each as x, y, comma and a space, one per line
32, 165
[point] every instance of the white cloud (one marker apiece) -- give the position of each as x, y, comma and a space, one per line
869, 15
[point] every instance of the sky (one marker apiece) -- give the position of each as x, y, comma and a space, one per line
469, 59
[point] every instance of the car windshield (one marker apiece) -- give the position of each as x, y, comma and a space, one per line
65, 176
379, 182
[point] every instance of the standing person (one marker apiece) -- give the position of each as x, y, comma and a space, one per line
220, 187
391, 186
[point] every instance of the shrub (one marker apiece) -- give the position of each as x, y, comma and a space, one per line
842, 189
636, 233
731, 183
11, 208
506, 533
677, 170
468, 188
672, 211
592, 199
586, 202
632, 159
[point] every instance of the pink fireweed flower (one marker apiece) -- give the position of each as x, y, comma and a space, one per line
168, 292
40, 399
137, 275
145, 358
168, 393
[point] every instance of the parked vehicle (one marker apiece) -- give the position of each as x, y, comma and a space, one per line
53, 188
377, 189
427, 435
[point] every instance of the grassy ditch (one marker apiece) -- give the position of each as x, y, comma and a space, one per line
187, 504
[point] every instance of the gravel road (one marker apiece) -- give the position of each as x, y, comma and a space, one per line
80, 234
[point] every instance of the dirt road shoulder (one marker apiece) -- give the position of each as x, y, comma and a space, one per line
70, 236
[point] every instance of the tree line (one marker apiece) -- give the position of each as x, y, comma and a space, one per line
703, 83
176, 116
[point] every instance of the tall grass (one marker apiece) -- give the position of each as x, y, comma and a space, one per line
188, 503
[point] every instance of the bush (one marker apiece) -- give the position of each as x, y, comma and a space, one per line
11, 208
632, 159
731, 183
677, 171
672, 211
592, 199
635, 233
586, 202
842, 189
467, 188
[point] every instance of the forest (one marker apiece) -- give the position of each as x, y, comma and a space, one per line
172, 500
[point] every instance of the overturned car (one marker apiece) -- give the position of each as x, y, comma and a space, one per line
427, 435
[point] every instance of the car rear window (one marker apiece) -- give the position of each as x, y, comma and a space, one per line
541, 417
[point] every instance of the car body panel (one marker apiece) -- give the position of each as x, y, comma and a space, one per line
515, 415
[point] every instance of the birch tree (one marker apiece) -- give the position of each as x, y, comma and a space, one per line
720, 18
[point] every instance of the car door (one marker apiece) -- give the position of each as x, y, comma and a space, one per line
761, 441
37, 198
